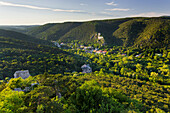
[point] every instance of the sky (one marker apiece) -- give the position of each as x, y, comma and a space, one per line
38, 12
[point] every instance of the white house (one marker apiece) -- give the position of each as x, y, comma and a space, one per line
62, 44
138, 55
99, 36
158, 54
56, 44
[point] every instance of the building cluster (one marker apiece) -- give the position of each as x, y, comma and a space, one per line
56, 44
100, 52
96, 51
123, 54
97, 35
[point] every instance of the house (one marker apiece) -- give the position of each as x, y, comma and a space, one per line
104, 52
81, 46
59, 95
56, 44
86, 68
84, 48
138, 55
89, 47
99, 36
34, 84
94, 51
23, 74
99, 52
123, 54
62, 44
158, 54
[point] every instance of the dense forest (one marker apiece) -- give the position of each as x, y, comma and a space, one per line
12, 35
131, 78
118, 32
30, 53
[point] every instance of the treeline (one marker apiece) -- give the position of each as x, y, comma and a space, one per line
139, 32
12, 35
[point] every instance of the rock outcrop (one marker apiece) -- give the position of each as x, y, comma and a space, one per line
23, 74
86, 68
18, 89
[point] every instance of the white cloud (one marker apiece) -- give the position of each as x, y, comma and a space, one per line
18, 5
150, 14
63, 10
35, 7
106, 13
118, 9
111, 3
82, 4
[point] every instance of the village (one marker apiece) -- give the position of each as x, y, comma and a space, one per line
86, 49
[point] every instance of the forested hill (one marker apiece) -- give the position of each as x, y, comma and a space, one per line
127, 31
18, 28
121, 79
22, 52
53, 31
154, 32
22, 37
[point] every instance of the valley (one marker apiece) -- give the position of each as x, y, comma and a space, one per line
128, 60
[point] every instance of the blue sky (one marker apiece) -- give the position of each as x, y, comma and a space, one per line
31, 12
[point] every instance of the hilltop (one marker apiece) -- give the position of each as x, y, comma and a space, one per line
18, 28
12, 35
126, 32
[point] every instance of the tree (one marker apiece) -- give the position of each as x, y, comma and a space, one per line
87, 97
138, 68
39, 97
12, 101
153, 76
